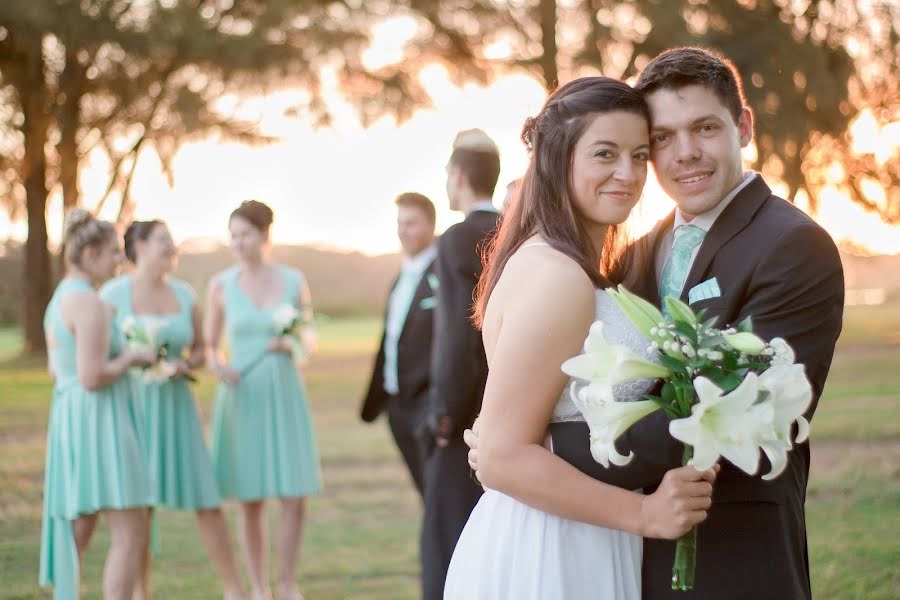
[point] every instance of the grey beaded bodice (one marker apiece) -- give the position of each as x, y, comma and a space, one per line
617, 330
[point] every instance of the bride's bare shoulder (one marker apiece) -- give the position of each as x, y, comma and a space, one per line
542, 278
542, 265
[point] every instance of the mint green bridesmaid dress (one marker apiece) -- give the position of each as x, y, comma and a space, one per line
181, 474
262, 443
94, 456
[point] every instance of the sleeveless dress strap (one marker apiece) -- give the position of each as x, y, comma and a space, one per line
293, 283
183, 294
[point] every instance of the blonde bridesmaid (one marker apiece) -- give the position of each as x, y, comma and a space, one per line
94, 460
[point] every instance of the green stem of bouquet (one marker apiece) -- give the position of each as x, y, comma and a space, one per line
686, 548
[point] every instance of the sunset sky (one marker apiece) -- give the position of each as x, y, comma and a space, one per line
334, 187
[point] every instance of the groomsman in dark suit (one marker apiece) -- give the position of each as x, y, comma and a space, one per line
735, 249
459, 366
400, 378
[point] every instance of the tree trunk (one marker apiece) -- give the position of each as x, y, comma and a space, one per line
37, 257
71, 85
72, 88
548, 43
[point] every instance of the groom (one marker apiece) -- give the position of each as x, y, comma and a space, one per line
735, 249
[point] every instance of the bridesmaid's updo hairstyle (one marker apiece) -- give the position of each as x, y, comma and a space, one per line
138, 230
256, 213
82, 230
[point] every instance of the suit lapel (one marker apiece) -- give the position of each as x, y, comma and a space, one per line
423, 290
736, 216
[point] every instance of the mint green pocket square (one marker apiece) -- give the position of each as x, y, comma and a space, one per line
704, 291
428, 303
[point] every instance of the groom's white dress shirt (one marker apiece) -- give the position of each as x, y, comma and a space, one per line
398, 307
704, 221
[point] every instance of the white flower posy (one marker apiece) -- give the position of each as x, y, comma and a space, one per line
758, 412
143, 332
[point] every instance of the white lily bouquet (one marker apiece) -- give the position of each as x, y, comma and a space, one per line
289, 322
143, 332
728, 393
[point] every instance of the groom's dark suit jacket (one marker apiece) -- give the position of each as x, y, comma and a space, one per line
773, 263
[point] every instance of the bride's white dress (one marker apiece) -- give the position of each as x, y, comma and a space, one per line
509, 550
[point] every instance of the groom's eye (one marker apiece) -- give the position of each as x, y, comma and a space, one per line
659, 139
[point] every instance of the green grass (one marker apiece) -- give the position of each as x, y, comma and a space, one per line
362, 535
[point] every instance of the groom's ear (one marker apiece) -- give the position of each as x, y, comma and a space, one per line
745, 126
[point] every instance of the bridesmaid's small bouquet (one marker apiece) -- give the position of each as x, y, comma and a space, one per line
143, 332
289, 323
729, 394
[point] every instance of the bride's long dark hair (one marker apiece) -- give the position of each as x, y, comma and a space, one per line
544, 204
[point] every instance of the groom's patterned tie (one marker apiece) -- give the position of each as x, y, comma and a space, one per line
675, 271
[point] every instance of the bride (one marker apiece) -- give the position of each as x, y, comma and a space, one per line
543, 529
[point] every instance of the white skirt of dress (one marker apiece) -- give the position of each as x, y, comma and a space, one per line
511, 551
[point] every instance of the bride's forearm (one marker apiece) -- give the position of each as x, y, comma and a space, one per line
538, 478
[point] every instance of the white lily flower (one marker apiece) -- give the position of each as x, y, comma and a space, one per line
745, 342
159, 372
726, 425
615, 364
629, 366
784, 354
790, 395
608, 419
152, 326
285, 316
598, 358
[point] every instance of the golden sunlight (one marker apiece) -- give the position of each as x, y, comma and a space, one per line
335, 186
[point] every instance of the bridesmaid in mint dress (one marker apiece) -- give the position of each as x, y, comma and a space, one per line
263, 444
181, 473
94, 459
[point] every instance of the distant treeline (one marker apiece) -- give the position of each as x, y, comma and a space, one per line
342, 284
352, 284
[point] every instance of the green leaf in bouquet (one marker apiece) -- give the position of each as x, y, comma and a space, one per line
668, 393
713, 342
726, 381
709, 323
687, 330
746, 326
667, 408
680, 311
753, 366
140, 336
673, 364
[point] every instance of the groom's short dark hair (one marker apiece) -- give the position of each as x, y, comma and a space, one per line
680, 67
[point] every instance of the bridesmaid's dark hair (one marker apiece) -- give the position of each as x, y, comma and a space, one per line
256, 213
544, 205
138, 230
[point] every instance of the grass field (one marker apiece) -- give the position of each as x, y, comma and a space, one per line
361, 539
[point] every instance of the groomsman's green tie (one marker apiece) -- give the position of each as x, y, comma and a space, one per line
675, 271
